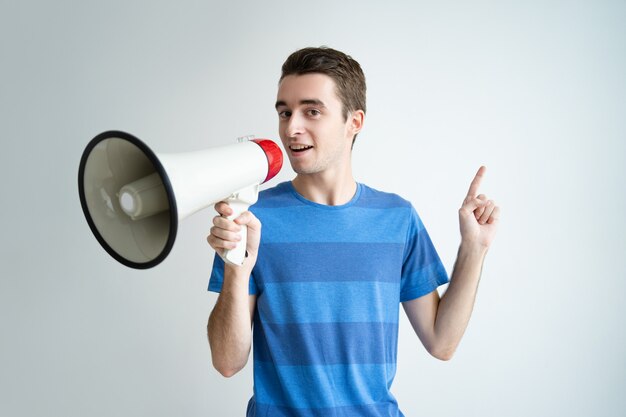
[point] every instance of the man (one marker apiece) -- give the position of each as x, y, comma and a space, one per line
322, 284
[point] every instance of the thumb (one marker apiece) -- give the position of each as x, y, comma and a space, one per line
472, 204
248, 219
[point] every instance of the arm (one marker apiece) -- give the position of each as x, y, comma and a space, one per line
441, 323
230, 324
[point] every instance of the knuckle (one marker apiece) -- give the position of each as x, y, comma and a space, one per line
222, 207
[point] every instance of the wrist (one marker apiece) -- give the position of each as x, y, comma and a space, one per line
472, 249
238, 272
235, 286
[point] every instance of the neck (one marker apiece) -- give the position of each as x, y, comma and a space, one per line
325, 188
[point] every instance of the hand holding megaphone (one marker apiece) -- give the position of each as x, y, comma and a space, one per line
240, 202
133, 198
233, 232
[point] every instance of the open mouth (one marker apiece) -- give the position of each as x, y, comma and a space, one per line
299, 148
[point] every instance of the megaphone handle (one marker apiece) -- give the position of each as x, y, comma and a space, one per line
240, 202
237, 255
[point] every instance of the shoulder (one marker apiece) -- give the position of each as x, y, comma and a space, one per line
392, 205
371, 197
277, 196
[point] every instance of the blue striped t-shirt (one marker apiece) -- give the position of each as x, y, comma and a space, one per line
329, 281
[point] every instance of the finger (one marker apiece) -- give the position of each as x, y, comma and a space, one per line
224, 223
479, 196
219, 244
495, 215
223, 209
479, 211
248, 219
473, 189
215, 244
226, 235
471, 205
489, 207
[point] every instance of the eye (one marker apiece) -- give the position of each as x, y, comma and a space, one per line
313, 112
284, 115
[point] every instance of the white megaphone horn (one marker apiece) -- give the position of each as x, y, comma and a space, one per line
133, 198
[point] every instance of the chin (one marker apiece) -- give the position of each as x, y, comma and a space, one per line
304, 171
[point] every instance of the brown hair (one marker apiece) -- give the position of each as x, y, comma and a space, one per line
343, 69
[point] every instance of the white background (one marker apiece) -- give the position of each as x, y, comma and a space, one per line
534, 90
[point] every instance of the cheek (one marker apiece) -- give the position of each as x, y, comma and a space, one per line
285, 142
281, 131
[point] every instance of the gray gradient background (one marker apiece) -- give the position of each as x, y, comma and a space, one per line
535, 91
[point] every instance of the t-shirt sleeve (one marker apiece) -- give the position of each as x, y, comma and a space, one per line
422, 270
217, 277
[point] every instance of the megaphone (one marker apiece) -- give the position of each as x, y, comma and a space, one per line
134, 198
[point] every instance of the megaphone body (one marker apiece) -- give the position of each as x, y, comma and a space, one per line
134, 198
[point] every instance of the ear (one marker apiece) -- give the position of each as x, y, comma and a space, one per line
355, 121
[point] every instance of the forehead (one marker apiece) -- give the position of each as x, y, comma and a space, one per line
295, 88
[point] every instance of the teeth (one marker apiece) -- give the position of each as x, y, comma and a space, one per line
299, 147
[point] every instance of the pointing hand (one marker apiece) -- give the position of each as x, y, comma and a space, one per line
478, 216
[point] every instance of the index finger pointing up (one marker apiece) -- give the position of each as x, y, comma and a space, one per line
473, 189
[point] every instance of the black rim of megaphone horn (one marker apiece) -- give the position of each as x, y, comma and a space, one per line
166, 183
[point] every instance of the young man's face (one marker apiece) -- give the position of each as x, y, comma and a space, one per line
312, 127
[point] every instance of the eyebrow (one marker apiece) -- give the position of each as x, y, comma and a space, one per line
310, 101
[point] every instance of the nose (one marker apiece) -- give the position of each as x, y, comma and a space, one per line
294, 125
